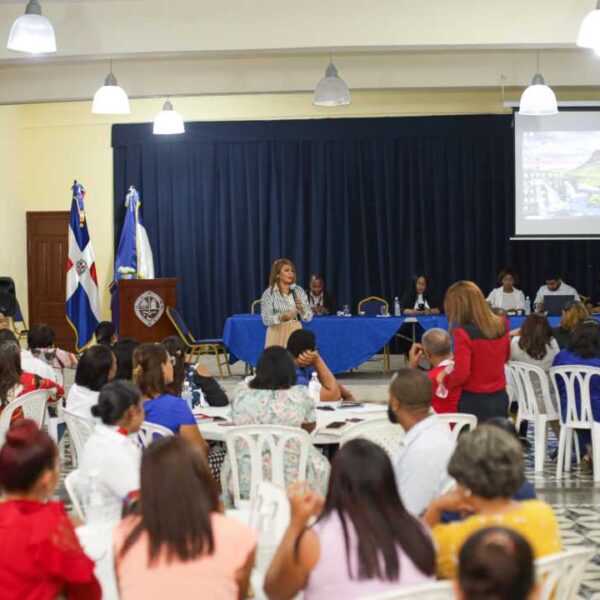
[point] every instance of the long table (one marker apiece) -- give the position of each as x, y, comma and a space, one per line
343, 342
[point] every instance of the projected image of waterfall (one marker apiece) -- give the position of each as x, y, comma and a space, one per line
561, 174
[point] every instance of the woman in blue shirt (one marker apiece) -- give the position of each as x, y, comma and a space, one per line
153, 372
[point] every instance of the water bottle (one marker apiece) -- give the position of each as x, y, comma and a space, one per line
314, 388
442, 390
187, 394
396, 307
527, 306
94, 502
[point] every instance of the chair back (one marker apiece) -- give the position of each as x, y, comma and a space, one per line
575, 381
560, 575
255, 307
457, 422
33, 406
73, 485
437, 590
379, 431
526, 377
181, 328
150, 431
260, 440
79, 428
371, 305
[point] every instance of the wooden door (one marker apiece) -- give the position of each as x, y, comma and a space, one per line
47, 251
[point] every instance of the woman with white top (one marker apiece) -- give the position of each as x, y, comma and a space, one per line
96, 368
507, 296
283, 304
110, 450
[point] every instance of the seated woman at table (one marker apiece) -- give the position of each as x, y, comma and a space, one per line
364, 542
573, 314
507, 296
179, 544
273, 398
283, 304
40, 556
152, 373
489, 469
205, 389
419, 300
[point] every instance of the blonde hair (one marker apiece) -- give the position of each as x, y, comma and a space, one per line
464, 303
573, 315
278, 264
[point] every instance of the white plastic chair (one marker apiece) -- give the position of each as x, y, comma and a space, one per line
73, 487
258, 440
148, 430
524, 376
438, 590
560, 575
575, 377
379, 431
459, 420
80, 429
34, 408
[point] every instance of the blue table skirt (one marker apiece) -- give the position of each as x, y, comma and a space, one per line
343, 342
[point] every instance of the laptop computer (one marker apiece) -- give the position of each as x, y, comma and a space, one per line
554, 304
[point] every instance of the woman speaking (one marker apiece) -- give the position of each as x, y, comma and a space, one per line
283, 304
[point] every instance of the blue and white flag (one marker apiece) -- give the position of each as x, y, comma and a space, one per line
134, 255
83, 302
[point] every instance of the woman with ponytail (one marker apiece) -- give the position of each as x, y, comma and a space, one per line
40, 556
110, 451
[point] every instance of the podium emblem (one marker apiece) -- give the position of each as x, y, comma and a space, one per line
149, 308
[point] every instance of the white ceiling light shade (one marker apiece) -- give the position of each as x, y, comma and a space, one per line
331, 90
168, 121
538, 99
32, 33
110, 99
589, 31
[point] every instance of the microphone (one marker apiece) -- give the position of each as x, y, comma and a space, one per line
293, 290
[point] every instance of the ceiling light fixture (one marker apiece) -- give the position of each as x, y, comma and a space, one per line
538, 100
168, 121
332, 89
32, 33
589, 31
110, 99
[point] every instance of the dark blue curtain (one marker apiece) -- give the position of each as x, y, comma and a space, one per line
368, 202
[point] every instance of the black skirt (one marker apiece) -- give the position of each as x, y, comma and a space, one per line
484, 406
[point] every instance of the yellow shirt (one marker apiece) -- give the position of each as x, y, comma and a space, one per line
533, 519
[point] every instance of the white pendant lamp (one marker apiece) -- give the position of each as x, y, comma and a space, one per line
538, 100
110, 99
332, 89
32, 33
168, 121
589, 31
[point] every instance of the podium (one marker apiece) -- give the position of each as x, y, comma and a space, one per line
139, 308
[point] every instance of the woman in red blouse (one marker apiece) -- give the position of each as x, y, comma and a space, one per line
40, 556
481, 349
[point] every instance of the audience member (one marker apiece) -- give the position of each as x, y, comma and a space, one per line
582, 349
3, 321
481, 349
535, 345
302, 345
496, 563
554, 286
110, 451
180, 544
283, 304
320, 300
364, 542
419, 300
436, 349
29, 363
488, 468
123, 351
106, 333
40, 556
205, 389
153, 372
422, 460
573, 314
14, 382
96, 367
272, 398
40, 340
507, 296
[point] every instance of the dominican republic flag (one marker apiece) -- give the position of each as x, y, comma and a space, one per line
83, 303
134, 255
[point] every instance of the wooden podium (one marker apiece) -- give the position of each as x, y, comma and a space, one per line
139, 308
